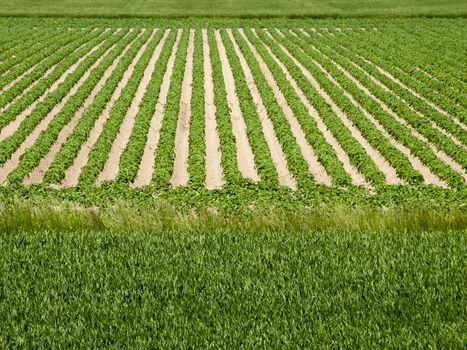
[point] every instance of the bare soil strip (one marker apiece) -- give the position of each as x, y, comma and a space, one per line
180, 174
110, 170
21, 76
389, 172
146, 166
314, 166
213, 160
245, 158
428, 176
440, 154
73, 172
37, 175
357, 178
13, 162
285, 176
11, 128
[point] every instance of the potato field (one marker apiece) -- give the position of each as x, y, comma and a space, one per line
298, 106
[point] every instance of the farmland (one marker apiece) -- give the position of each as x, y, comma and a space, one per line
237, 183
277, 107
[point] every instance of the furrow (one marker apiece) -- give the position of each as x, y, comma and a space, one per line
73, 172
111, 166
285, 176
14, 160
439, 153
11, 128
391, 176
214, 176
356, 176
180, 174
245, 158
37, 175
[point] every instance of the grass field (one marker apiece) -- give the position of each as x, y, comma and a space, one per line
232, 182
234, 289
234, 8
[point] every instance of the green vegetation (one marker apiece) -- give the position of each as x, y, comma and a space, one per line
233, 289
233, 8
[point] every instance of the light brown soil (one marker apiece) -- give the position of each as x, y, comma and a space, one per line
13, 162
146, 166
110, 170
383, 165
440, 154
180, 174
73, 172
245, 158
314, 166
37, 175
11, 128
428, 176
214, 177
357, 178
285, 176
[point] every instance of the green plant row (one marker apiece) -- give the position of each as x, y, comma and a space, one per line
165, 152
9, 145
422, 124
394, 128
439, 93
71, 147
262, 155
64, 50
357, 154
12, 68
100, 151
16, 40
295, 161
31, 158
131, 157
41, 89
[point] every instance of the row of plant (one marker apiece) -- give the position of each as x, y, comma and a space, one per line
196, 141
399, 92
67, 154
131, 157
165, 151
16, 40
30, 159
295, 160
46, 86
422, 124
397, 130
13, 67
261, 152
357, 154
67, 46
100, 151
369, 131
10, 144
439, 93
228, 149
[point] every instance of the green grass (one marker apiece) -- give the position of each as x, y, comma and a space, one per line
233, 289
233, 8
